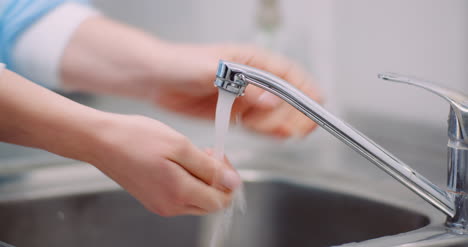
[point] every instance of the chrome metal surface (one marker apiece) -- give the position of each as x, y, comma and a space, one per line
458, 186
436, 196
431, 236
457, 145
231, 82
458, 117
5, 245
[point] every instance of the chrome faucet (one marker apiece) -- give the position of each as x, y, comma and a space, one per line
452, 201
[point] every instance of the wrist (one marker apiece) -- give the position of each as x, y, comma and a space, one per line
83, 139
36, 117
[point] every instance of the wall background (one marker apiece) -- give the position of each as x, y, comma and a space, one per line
344, 43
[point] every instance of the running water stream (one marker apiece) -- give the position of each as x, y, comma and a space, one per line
224, 218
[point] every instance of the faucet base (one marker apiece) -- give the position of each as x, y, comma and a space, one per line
458, 185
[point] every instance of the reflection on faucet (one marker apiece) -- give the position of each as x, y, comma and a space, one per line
2, 244
234, 77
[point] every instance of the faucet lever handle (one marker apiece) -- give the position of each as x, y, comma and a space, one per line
458, 101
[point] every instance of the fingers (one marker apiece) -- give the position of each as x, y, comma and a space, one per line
266, 113
256, 97
187, 195
199, 198
201, 184
206, 168
206, 198
282, 122
194, 210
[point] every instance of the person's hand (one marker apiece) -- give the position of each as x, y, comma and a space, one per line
184, 83
161, 168
156, 164
179, 77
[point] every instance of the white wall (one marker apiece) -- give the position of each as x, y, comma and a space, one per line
426, 38
344, 42
185, 20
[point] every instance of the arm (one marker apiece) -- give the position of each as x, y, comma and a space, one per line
105, 56
36, 117
157, 165
83, 51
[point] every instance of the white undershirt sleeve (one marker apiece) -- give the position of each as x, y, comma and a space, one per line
38, 51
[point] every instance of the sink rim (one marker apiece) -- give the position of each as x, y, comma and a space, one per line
320, 181
57, 181
43, 183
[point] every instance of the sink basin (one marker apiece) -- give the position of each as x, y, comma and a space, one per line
110, 218
286, 214
279, 213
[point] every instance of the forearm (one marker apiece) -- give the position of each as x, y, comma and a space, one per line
36, 117
104, 56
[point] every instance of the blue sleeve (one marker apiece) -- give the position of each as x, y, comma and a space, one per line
16, 16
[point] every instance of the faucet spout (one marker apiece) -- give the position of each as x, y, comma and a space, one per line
235, 77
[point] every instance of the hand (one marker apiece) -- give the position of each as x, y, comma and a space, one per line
161, 168
184, 83
179, 77
157, 165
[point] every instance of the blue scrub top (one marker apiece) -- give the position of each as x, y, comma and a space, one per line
15, 17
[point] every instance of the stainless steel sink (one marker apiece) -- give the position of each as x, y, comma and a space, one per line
102, 219
280, 212
285, 214
325, 200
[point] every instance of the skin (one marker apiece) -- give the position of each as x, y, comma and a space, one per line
156, 164
179, 75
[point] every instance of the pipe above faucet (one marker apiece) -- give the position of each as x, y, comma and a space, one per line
234, 78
